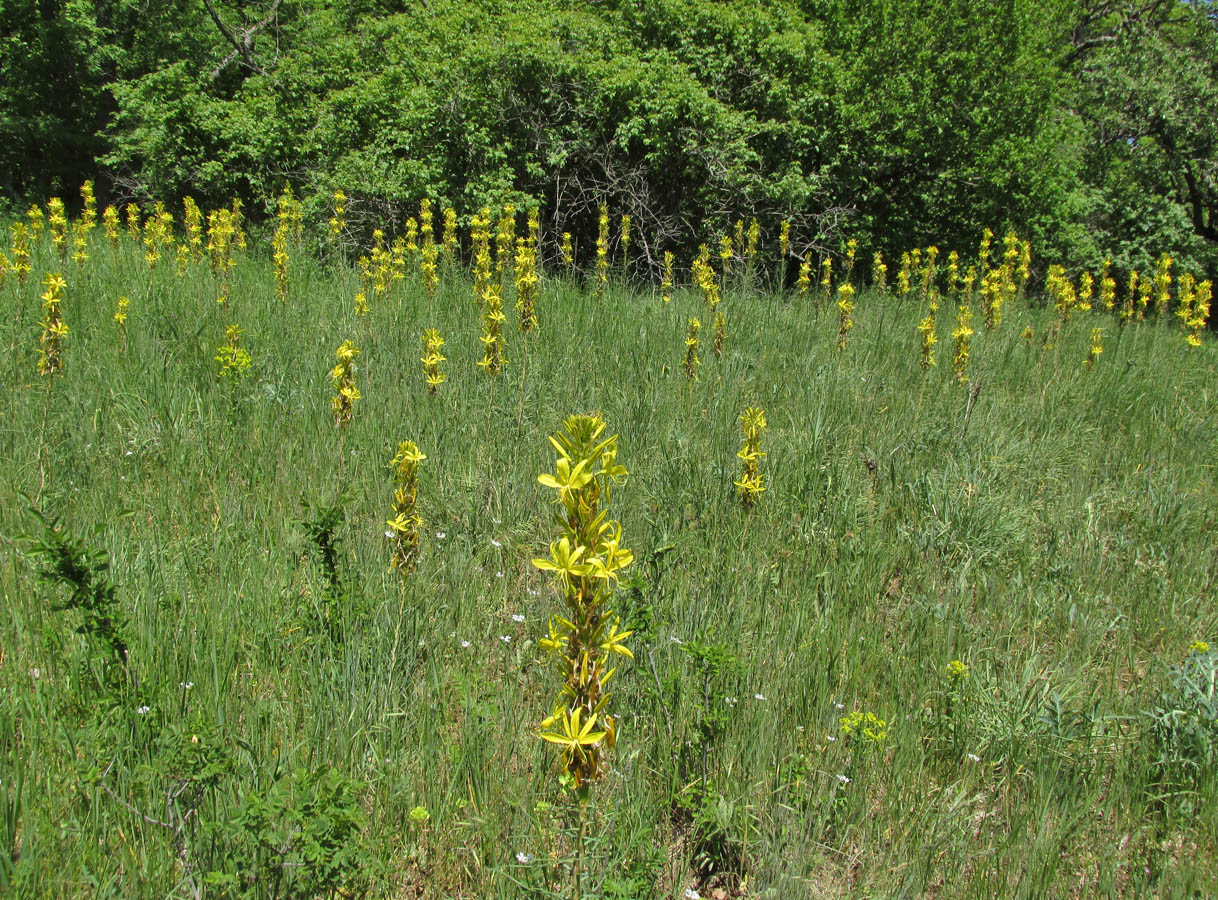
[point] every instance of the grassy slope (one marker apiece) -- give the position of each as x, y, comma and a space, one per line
1061, 545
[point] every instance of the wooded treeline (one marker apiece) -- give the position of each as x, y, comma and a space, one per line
1089, 125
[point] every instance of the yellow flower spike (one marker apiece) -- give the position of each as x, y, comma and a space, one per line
613, 643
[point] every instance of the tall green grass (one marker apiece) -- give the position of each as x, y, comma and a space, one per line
1058, 540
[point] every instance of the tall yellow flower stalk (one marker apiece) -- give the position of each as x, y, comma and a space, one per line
692, 344
1107, 286
602, 250
233, 359
826, 281
1145, 291
1200, 313
751, 240
20, 264
1184, 298
1086, 288
85, 224
50, 342
784, 244
962, 335
750, 485
1096, 348
134, 232
983, 252
586, 562
365, 286
804, 282
666, 277
221, 234
879, 273
480, 236
625, 239
505, 243
1125, 316
526, 284
338, 221
852, 249
406, 522
704, 277
34, 214
953, 275
926, 328
120, 319
929, 273
111, 225
1163, 286
493, 359
238, 219
431, 359
343, 378
845, 313
193, 219
726, 255
429, 254
904, 276
449, 240
57, 223
566, 252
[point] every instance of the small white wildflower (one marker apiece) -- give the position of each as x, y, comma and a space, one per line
760, 697
506, 638
691, 894
517, 617
531, 592
730, 701
523, 858
35, 673
143, 710
840, 705
498, 574
974, 757
452, 634
130, 453
843, 779
497, 521
441, 535
676, 640
186, 685
465, 643
388, 534
831, 739
496, 543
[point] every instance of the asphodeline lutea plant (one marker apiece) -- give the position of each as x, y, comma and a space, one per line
926, 328
750, 485
404, 526
602, 250
1200, 313
343, 378
34, 214
85, 224
1185, 293
338, 221
803, 282
233, 359
667, 276
720, 326
429, 255
852, 249
279, 257
1107, 286
962, 335
784, 244
845, 313
692, 344
50, 342
120, 319
879, 273
111, 225
526, 284
567, 252
221, 235
625, 238
726, 255
826, 280
480, 237
493, 359
505, 244
431, 359
449, 239
903, 275
20, 264
586, 561
1125, 316
192, 216
57, 223
1163, 281
704, 277
752, 238
134, 232
1096, 348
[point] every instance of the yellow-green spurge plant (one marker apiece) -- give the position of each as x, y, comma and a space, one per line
586, 561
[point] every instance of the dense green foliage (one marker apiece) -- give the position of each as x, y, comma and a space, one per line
1088, 124
954, 649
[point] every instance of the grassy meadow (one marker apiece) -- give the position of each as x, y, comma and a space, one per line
956, 649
